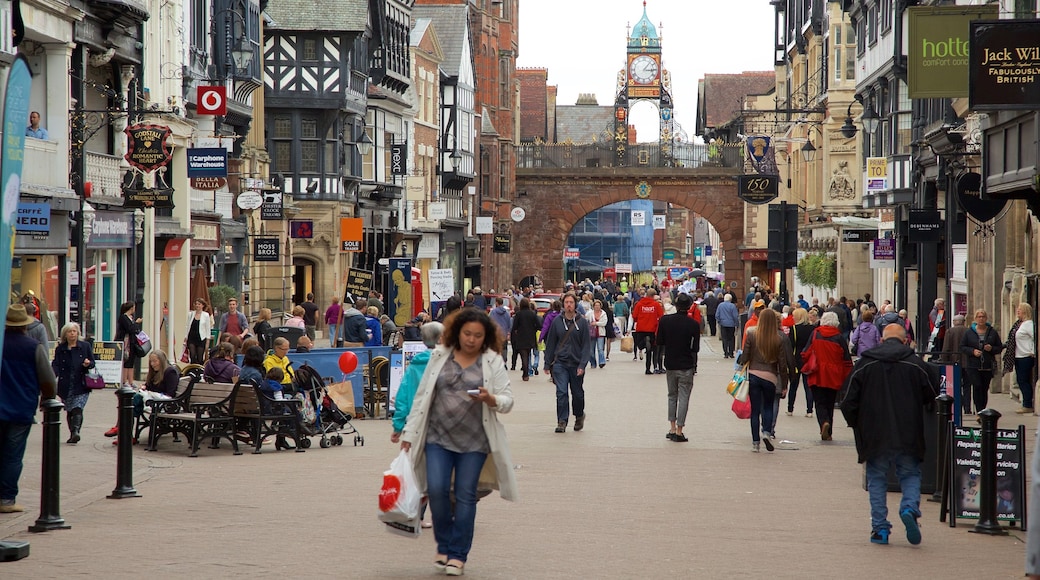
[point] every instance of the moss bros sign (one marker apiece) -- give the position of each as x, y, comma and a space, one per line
1005, 64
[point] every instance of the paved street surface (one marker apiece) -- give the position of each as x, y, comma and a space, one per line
617, 500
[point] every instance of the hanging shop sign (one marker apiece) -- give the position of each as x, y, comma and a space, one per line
937, 53
208, 183
111, 230
146, 148
359, 283
301, 229
502, 243
207, 162
271, 208
925, 225
150, 197
399, 159
33, 218
1005, 64
266, 250
858, 236
758, 189
969, 196
351, 234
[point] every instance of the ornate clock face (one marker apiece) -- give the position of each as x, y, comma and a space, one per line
643, 69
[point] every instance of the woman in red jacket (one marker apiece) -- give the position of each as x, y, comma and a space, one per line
833, 364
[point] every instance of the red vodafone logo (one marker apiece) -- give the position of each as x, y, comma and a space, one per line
211, 101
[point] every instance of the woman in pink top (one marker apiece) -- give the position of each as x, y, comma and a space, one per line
332, 315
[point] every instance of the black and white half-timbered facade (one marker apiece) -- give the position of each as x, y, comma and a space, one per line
316, 64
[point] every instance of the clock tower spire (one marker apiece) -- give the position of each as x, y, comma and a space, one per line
643, 78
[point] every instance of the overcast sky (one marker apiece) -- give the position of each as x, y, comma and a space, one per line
583, 42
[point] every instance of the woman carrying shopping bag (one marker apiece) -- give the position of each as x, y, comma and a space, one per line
453, 431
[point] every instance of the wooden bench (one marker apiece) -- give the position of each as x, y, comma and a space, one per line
206, 412
144, 420
261, 416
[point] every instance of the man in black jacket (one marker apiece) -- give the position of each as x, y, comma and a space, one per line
886, 395
711, 305
680, 336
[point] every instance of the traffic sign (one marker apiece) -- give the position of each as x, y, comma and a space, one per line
211, 100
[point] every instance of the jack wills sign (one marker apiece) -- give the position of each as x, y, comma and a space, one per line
1005, 64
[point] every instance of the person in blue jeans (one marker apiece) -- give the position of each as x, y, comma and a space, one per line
22, 385
887, 393
568, 349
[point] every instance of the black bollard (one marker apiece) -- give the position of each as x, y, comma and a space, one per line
50, 514
944, 409
988, 523
124, 448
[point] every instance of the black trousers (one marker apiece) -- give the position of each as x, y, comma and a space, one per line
824, 399
647, 341
978, 381
711, 323
729, 340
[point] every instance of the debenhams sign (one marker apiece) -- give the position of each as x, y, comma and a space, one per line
1004, 64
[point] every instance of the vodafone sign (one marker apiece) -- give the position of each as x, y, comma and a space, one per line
211, 101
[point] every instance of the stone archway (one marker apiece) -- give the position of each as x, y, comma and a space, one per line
556, 199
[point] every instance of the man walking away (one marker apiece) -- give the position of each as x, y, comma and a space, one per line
501, 317
728, 319
680, 337
887, 393
711, 306
568, 348
310, 316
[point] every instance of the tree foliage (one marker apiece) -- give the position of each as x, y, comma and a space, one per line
819, 271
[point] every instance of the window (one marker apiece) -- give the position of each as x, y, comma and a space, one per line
1025, 8
199, 23
309, 146
850, 55
886, 16
861, 36
872, 22
839, 65
309, 49
281, 137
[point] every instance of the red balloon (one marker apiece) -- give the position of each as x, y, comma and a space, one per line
347, 362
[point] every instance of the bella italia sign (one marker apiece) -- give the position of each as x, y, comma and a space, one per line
937, 52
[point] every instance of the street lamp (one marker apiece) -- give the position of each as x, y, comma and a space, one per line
870, 121
455, 158
364, 146
808, 150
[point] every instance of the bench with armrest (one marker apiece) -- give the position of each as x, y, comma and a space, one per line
261, 416
143, 421
206, 412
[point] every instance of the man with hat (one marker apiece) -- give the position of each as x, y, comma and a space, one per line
21, 386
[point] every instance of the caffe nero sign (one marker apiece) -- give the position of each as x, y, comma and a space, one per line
969, 196
1005, 64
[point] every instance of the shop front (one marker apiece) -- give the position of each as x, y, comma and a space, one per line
40, 250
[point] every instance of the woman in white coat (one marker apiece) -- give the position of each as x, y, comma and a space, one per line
453, 428
200, 323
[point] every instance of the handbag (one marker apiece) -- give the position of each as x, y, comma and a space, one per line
809, 363
185, 357
141, 344
738, 383
93, 380
742, 409
628, 344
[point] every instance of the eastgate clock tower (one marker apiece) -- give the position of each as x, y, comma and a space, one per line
643, 78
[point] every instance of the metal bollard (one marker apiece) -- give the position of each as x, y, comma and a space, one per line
944, 409
124, 448
988, 523
50, 514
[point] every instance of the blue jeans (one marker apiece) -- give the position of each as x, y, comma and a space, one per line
333, 328
1024, 377
565, 376
761, 393
536, 359
13, 437
453, 529
598, 352
908, 471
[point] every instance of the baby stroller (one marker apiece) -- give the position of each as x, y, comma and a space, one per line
321, 415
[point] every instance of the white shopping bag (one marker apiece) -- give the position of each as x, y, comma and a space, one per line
399, 498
